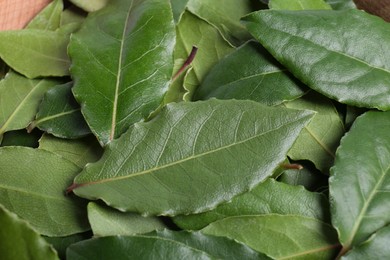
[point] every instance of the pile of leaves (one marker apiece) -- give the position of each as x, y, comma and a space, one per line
196, 129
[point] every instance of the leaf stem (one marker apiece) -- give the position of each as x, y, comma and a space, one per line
187, 63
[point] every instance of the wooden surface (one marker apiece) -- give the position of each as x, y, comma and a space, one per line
377, 7
15, 14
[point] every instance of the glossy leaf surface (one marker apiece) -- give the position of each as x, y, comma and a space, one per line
59, 114
27, 193
80, 151
250, 73
377, 247
20, 241
192, 156
107, 221
162, 245
280, 237
359, 184
299, 5
36, 53
320, 138
19, 100
267, 198
332, 52
129, 64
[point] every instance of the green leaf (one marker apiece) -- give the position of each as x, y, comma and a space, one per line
49, 18
341, 4
359, 183
280, 237
21, 138
315, 47
319, 140
36, 53
59, 114
107, 221
73, 14
250, 73
62, 243
129, 64
20, 241
377, 247
267, 198
177, 160
80, 151
193, 31
299, 5
162, 245
32, 184
90, 6
19, 99
224, 15
178, 8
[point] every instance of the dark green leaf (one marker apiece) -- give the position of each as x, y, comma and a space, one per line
129, 64
32, 183
62, 243
268, 197
21, 138
298, 5
20, 241
341, 4
107, 221
250, 73
192, 156
178, 7
162, 245
280, 237
359, 183
59, 114
375, 248
334, 52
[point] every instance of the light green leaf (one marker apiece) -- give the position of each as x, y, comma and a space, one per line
49, 18
80, 151
129, 64
59, 114
36, 53
375, 248
359, 184
73, 14
193, 31
32, 184
319, 140
162, 245
250, 73
90, 6
316, 48
268, 197
224, 15
280, 237
299, 5
341, 4
19, 100
192, 156
107, 221
20, 241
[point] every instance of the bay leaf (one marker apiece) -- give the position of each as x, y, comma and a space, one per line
252, 73
72, 14
24, 189
49, 18
19, 99
21, 138
80, 151
62, 243
376, 247
315, 47
128, 46
20, 241
90, 6
59, 114
299, 5
107, 221
178, 8
269, 197
359, 183
192, 156
36, 53
341, 4
162, 245
193, 31
319, 140
280, 236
